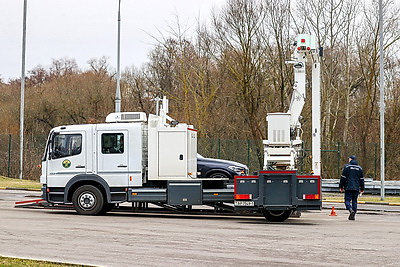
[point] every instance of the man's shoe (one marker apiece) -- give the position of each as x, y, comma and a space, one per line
352, 215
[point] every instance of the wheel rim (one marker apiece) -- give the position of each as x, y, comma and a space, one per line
87, 200
277, 212
218, 175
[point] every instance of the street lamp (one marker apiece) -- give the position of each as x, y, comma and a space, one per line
382, 100
118, 90
21, 133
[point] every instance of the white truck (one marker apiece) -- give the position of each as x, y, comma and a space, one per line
128, 158
132, 158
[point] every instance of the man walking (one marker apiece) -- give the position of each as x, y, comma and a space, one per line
352, 183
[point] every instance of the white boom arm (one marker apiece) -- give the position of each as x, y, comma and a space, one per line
316, 114
284, 129
299, 88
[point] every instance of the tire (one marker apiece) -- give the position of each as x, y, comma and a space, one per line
88, 200
107, 207
219, 175
276, 215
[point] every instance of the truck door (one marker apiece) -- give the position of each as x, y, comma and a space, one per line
66, 157
112, 159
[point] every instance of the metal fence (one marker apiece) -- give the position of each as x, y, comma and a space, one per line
333, 156
10, 153
250, 152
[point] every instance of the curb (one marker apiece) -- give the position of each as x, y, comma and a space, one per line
367, 202
377, 203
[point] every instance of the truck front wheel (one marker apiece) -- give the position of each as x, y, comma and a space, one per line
88, 200
276, 215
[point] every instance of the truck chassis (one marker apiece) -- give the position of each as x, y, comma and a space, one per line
275, 194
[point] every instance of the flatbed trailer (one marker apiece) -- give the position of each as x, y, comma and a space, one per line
276, 194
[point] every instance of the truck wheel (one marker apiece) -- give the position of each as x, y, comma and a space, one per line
107, 207
88, 200
276, 215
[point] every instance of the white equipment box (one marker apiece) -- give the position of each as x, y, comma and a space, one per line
172, 151
279, 128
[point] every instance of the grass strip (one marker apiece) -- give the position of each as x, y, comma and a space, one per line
16, 262
19, 183
337, 197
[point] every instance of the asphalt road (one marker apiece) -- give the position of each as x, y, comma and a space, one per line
133, 239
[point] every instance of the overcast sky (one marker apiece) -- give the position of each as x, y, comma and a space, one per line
85, 29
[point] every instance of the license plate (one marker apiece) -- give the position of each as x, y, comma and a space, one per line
244, 203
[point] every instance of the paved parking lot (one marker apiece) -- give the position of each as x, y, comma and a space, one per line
152, 239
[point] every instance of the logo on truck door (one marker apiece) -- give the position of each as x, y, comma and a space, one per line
66, 163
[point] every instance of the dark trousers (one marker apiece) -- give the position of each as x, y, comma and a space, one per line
350, 199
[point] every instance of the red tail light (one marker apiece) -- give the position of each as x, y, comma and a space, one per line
311, 196
243, 196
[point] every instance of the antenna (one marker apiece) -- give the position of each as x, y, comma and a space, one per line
157, 99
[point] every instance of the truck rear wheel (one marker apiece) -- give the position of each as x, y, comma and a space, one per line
107, 207
88, 200
276, 215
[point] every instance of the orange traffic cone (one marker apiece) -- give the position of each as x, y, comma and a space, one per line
333, 212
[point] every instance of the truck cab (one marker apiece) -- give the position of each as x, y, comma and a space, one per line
103, 154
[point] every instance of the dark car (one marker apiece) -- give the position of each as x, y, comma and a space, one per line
218, 168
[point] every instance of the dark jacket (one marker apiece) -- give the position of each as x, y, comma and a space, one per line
352, 177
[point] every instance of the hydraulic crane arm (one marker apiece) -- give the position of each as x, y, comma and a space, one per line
284, 129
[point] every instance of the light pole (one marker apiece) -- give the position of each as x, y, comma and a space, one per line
382, 100
118, 90
21, 115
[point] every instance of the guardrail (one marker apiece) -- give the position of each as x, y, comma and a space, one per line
371, 186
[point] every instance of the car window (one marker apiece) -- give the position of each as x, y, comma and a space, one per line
112, 143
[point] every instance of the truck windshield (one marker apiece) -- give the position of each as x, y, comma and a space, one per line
48, 143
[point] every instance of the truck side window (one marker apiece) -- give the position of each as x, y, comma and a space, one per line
112, 143
66, 145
